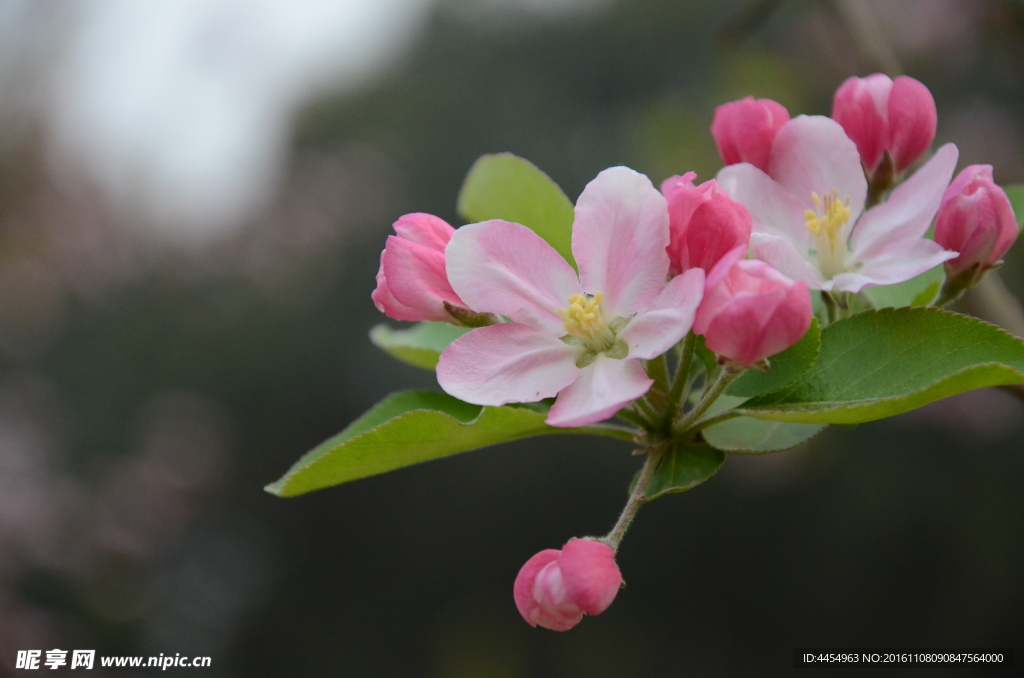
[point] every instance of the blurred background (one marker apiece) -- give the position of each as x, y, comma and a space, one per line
193, 198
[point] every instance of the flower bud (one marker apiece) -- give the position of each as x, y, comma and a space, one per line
744, 130
880, 114
412, 283
751, 311
554, 589
975, 219
705, 223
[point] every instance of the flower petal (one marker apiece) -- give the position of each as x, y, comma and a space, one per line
501, 267
902, 261
774, 210
619, 239
416, 277
600, 391
667, 319
507, 363
780, 253
908, 211
812, 153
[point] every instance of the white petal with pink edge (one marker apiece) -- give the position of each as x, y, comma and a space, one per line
619, 238
909, 209
772, 207
812, 153
667, 319
602, 389
508, 363
902, 261
502, 267
780, 253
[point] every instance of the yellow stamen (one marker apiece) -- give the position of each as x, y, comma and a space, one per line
827, 225
584, 318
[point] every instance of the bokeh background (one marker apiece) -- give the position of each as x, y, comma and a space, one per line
193, 198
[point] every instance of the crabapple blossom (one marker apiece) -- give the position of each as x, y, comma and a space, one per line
744, 130
411, 282
751, 311
976, 220
809, 218
555, 588
881, 114
580, 338
704, 223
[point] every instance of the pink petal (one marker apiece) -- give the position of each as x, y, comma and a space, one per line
813, 154
781, 254
908, 211
527, 604
507, 363
619, 239
590, 574
502, 267
424, 229
386, 303
600, 391
912, 121
861, 106
416, 277
772, 207
667, 319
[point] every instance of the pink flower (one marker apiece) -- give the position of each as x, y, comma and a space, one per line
808, 220
744, 130
554, 589
976, 220
412, 283
704, 223
751, 311
881, 115
578, 338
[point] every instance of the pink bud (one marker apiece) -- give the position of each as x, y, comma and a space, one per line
412, 283
554, 589
751, 311
880, 114
976, 220
744, 130
705, 223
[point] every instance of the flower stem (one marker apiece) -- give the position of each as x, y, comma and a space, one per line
636, 499
682, 376
830, 306
647, 411
726, 375
633, 418
714, 419
658, 371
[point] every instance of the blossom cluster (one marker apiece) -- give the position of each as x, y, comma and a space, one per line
810, 203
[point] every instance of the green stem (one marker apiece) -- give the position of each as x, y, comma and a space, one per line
658, 371
726, 375
715, 419
633, 418
636, 500
682, 376
830, 306
647, 411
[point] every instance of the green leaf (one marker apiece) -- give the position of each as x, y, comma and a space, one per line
881, 363
917, 291
419, 345
1015, 192
758, 436
504, 186
785, 366
682, 469
414, 426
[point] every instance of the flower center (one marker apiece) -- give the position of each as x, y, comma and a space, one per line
584, 319
827, 226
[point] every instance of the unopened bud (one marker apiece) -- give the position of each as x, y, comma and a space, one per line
744, 130
751, 311
705, 223
555, 588
975, 219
